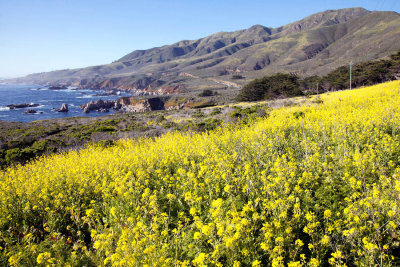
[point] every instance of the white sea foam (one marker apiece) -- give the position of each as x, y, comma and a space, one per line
85, 96
69, 90
4, 108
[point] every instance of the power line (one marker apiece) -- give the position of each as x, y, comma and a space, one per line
351, 63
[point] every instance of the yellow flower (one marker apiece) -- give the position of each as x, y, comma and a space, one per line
192, 211
295, 264
327, 214
42, 257
299, 243
113, 211
337, 254
325, 240
196, 235
199, 260
90, 212
314, 262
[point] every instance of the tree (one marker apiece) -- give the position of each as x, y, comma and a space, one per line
270, 87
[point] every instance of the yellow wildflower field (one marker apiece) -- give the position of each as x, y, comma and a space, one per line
310, 185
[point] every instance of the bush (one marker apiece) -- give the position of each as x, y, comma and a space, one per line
106, 143
248, 113
198, 114
206, 93
237, 77
271, 87
215, 111
202, 126
286, 85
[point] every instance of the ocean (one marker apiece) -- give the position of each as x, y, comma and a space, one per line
49, 101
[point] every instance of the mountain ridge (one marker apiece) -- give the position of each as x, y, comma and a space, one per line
313, 45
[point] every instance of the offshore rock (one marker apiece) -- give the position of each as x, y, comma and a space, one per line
24, 105
58, 87
30, 111
64, 108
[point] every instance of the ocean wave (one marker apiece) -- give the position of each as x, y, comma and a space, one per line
85, 96
69, 90
4, 108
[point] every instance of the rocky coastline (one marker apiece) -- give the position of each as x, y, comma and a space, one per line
124, 104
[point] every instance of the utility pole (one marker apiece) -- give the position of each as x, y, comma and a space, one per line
317, 88
351, 63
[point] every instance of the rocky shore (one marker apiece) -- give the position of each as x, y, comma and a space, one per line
124, 104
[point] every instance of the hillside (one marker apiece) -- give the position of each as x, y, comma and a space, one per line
284, 85
314, 184
314, 45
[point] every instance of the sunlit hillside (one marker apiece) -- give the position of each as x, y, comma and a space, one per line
315, 184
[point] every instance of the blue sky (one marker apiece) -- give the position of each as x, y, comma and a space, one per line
45, 35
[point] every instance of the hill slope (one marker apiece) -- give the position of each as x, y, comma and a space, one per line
314, 45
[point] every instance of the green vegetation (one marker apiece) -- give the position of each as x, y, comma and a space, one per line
237, 77
206, 93
310, 185
22, 142
363, 74
275, 86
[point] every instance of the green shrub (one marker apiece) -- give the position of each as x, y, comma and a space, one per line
106, 143
206, 93
215, 111
237, 77
299, 114
271, 87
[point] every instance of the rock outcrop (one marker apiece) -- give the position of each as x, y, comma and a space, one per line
24, 105
58, 87
63, 108
99, 105
30, 111
124, 104
143, 105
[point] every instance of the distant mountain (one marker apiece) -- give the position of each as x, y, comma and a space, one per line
316, 44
